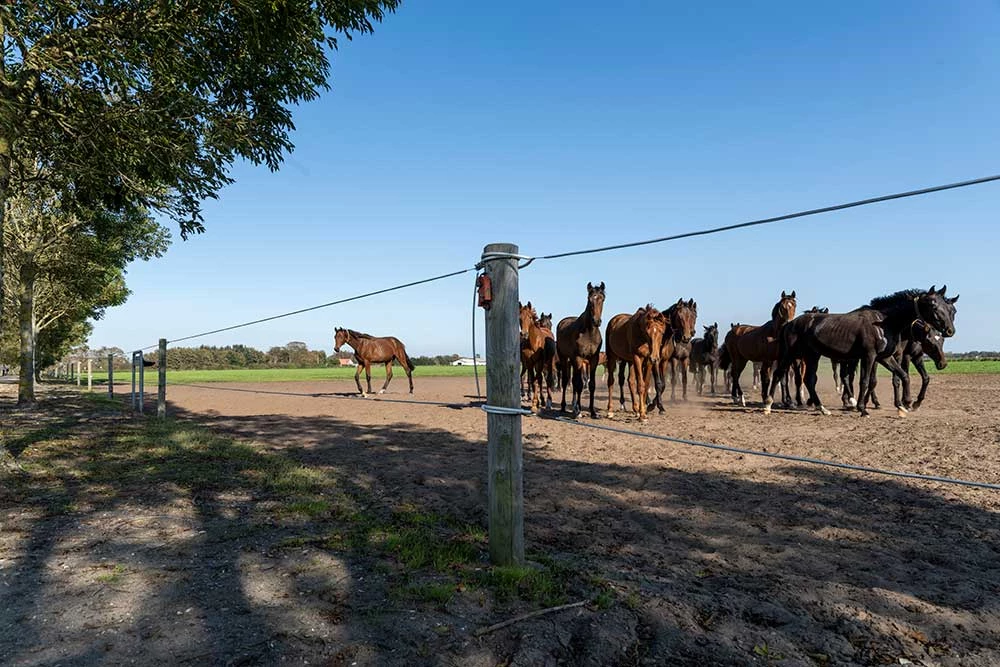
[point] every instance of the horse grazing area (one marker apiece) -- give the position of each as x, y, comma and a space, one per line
293, 522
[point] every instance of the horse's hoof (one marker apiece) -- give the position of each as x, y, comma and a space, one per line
865, 413
644, 420
767, 407
876, 406
916, 405
902, 412
853, 402
743, 402
381, 391
824, 411
611, 415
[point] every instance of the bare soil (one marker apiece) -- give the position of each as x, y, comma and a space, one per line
712, 558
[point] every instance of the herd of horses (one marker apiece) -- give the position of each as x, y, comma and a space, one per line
641, 347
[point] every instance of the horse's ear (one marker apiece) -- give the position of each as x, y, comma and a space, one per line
931, 290
529, 304
602, 286
715, 324
944, 288
783, 295
793, 294
953, 299
589, 286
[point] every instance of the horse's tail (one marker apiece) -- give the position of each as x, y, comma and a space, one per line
724, 359
404, 358
549, 356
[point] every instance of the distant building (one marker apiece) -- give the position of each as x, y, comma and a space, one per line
468, 361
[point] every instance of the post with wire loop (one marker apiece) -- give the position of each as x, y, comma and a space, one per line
161, 391
503, 422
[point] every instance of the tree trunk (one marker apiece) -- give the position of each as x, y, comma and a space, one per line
26, 328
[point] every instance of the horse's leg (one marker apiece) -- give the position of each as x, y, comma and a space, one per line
847, 370
811, 378
897, 370
673, 380
535, 377
357, 378
592, 385
609, 366
767, 379
904, 363
756, 379
388, 376
578, 367
925, 380
622, 378
564, 381
635, 383
682, 365
735, 370
865, 369
368, 375
834, 366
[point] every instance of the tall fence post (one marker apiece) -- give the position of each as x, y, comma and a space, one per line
503, 427
161, 390
90, 374
111, 376
135, 402
79, 373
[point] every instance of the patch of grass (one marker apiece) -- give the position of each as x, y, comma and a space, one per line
113, 575
539, 585
439, 594
766, 652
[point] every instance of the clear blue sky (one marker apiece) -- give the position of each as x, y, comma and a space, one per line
562, 126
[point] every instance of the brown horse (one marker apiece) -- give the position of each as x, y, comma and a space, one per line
745, 343
578, 340
635, 339
682, 318
537, 352
369, 349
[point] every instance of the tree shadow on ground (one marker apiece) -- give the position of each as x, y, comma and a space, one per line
810, 565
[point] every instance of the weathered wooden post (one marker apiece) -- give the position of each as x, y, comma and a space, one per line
161, 391
111, 376
142, 382
503, 407
90, 374
79, 373
134, 403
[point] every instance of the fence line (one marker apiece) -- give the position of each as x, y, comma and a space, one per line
785, 457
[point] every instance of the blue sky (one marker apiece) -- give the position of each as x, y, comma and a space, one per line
561, 126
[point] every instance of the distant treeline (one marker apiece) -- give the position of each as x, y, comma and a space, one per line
976, 355
293, 355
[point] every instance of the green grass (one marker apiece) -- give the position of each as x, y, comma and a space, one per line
288, 374
967, 366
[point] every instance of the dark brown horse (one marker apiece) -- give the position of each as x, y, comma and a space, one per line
925, 341
368, 350
682, 320
633, 341
866, 335
537, 352
578, 341
705, 357
745, 343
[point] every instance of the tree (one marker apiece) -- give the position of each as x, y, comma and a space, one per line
145, 105
69, 268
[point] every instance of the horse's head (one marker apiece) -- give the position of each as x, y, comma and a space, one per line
784, 310
340, 337
654, 325
527, 317
931, 341
937, 310
712, 336
595, 302
545, 321
683, 319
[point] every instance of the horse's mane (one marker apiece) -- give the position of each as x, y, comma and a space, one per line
896, 298
358, 334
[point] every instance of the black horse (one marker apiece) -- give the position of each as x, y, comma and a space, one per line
924, 341
866, 335
705, 357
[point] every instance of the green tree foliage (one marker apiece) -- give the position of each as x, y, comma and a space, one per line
205, 357
145, 105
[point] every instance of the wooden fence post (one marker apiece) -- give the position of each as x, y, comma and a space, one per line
111, 376
503, 390
90, 374
161, 391
79, 373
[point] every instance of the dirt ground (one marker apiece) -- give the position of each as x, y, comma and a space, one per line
718, 558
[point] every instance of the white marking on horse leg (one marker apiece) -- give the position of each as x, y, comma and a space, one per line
853, 401
381, 391
901, 411
823, 410
767, 406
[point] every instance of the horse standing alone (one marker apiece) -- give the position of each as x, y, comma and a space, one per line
369, 349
